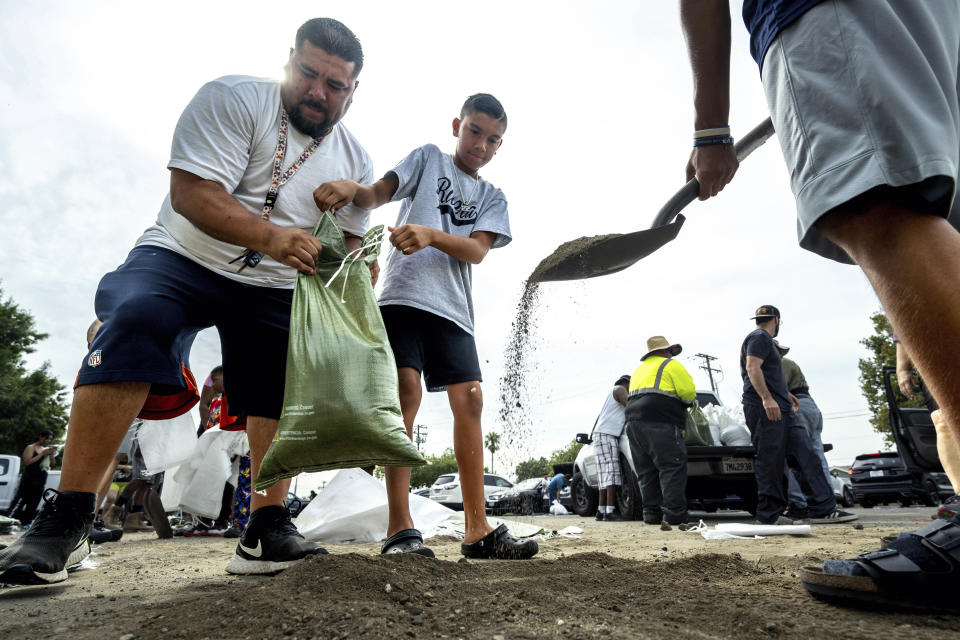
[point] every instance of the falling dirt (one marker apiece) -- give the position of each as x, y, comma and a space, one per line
515, 388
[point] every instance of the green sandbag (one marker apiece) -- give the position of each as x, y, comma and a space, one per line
341, 406
697, 430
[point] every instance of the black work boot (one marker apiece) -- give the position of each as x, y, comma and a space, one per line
270, 544
56, 542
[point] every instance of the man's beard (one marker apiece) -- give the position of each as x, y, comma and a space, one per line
311, 128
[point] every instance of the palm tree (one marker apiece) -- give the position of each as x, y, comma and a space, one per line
492, 443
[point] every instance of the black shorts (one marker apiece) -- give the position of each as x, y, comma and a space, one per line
153, 306
436, 347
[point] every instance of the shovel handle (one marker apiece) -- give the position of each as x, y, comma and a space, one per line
744, 147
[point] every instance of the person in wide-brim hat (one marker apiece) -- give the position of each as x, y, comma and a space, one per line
658, 343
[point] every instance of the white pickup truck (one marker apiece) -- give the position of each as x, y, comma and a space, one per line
10, 480
717, 476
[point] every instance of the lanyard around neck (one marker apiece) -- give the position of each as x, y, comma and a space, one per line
278, 178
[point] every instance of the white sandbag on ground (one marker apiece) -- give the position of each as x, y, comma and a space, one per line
204, 474
353, 508
167, 443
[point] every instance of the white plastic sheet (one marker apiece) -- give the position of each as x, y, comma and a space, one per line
202, 477
353, 508
744, 531
167, 443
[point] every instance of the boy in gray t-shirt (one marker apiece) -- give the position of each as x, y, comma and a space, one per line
450, 218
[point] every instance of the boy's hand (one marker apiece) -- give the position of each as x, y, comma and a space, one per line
410, 238
295, 248
331, 196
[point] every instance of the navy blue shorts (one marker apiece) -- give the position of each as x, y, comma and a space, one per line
152, 308
436, 347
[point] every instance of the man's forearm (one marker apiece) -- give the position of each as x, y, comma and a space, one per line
215, 212
706, 27
755, 374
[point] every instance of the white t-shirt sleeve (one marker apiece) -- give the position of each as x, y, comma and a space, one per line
409, 172
495, 219
214, 135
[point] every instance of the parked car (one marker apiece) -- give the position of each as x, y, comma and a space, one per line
717, 476
934, 488
446, 490
425, 492
881, 478
842, 490
10, 480
916, 440
525, 497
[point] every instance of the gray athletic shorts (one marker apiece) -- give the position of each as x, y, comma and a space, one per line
863, 93
607, 450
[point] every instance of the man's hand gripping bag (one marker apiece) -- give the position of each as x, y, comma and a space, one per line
341, 406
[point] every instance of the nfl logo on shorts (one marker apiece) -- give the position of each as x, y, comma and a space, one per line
94, 359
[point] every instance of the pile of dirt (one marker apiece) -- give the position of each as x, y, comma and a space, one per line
581, 596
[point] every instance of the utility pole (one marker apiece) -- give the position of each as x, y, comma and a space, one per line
419, 434
707, 359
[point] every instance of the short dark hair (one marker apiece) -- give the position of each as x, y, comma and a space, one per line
217, 371
333, 37
45, 433
485, 103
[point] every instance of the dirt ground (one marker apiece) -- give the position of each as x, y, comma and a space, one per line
618, 580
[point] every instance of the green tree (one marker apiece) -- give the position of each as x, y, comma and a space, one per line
883, 353
30, 401
492, 444
426, 475
565, 454
532, 468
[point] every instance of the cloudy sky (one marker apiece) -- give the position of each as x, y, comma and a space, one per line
600, 108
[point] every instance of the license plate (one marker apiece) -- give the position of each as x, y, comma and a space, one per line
737, 465
876, 474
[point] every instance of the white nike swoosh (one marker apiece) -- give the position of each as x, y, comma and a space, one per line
255, 552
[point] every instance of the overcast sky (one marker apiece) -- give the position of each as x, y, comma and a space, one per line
599, 101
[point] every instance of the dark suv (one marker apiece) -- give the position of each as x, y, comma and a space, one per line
879, 478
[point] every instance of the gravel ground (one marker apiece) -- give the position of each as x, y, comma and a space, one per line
619, 580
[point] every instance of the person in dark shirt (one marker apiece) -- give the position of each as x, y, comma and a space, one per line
778, 436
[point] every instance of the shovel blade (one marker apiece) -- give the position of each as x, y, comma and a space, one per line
612, 254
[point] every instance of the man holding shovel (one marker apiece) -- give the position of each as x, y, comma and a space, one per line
864, 97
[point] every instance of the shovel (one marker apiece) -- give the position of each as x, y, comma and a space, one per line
610, 254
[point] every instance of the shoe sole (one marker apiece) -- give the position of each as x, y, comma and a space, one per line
239, 565
849, 518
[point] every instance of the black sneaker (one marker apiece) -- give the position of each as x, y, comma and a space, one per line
233, 532
101, 534
834, 517
797, 514
270, 544
57, 541
600, 516
613, 516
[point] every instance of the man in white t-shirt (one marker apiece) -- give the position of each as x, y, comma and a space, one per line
606, 447
247, 154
